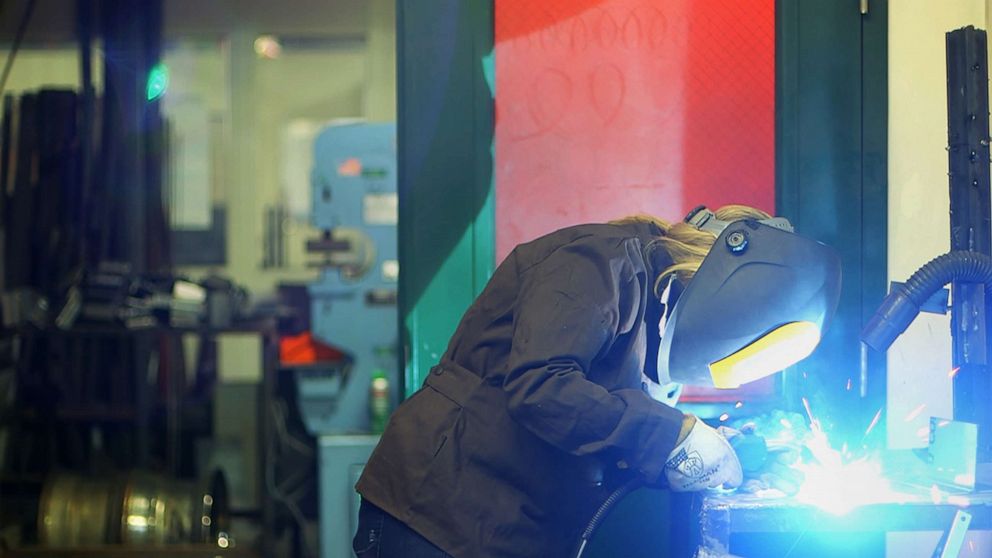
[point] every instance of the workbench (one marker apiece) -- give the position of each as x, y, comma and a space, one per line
723, 515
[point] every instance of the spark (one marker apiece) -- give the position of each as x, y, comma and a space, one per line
836, 481
836, 485
943, 423
874, 421
923, 432
953, 372
848, 384
935, 494
738, 405
971, 545
724, 417
915, 412
809, 413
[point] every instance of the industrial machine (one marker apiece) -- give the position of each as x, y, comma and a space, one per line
353, 309
353, 305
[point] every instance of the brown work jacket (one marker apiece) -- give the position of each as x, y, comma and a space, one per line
538, 408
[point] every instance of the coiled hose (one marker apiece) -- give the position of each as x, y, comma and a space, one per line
604, 510
901, 307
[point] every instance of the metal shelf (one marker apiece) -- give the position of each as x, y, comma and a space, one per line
121, 551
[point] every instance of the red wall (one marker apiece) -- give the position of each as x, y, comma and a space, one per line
606, 108
610, 107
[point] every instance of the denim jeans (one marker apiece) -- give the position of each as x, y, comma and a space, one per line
380, 535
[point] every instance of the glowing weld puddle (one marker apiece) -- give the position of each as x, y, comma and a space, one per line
837, 484
838, 481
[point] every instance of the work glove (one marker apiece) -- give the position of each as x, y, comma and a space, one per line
702, 459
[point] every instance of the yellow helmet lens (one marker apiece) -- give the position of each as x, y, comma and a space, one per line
778, 349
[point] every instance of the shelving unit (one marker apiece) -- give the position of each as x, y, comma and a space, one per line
152, 404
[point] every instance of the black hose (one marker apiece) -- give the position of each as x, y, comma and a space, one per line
604, 510
961, 265
901, 307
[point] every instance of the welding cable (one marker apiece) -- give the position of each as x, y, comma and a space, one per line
901, 307
276, 491
604, 510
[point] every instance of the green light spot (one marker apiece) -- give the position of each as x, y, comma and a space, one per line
158, 81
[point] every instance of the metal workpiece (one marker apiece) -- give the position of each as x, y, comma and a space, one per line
714, 529
721, 516
951, 454
953, 539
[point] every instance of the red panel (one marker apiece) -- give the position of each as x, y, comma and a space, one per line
729, 150
611, 107
606, 108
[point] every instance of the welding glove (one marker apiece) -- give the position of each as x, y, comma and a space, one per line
702, 459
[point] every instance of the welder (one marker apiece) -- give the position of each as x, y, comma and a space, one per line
552, 391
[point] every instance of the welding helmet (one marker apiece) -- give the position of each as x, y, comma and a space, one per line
758, 303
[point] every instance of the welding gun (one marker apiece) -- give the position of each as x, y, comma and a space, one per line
765, 465
751, 450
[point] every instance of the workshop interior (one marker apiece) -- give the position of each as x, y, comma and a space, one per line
235, 235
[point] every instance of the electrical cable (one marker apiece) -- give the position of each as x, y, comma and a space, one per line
279, 412
604, 510
278, 494
294, 510
21, 28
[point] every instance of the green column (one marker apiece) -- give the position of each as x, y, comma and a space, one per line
445, 128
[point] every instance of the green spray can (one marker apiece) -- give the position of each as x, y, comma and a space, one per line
379, 401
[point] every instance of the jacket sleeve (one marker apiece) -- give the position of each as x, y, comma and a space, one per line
570, 309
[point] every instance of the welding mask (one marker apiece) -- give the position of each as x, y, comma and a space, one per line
758, 304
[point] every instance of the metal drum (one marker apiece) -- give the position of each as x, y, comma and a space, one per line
138, 508
76, 510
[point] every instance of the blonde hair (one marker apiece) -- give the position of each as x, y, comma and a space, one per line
687, 245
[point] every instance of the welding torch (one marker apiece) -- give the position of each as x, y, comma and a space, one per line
753, 451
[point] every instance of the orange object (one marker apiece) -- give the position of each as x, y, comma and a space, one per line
304, 349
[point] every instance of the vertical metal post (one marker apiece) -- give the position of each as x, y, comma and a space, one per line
170, 347
267, 388
141, 361
84, 16
968, 161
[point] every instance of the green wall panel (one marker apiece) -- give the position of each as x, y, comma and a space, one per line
445, 127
